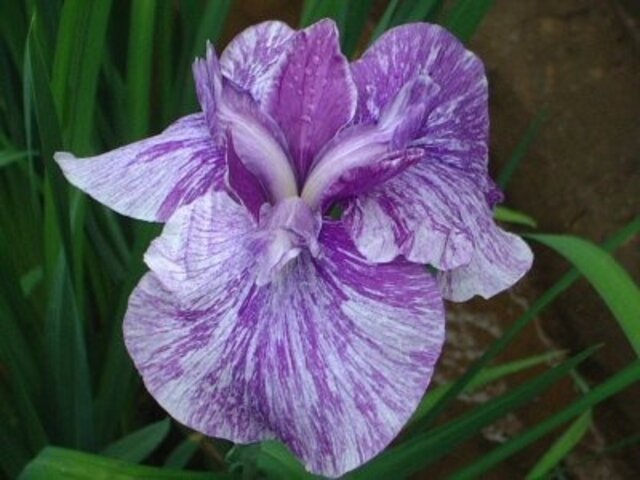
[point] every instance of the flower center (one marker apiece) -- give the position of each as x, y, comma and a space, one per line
286, 229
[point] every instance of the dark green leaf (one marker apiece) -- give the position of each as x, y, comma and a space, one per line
138, 445
466, 16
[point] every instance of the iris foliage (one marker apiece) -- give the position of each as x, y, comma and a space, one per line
87, 76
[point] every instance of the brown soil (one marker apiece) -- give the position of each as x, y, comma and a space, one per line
578, 60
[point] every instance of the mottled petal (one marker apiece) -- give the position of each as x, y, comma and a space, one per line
435, 214
257, 142
208, 80
457, 127
365, 155
243, 184
315, 95
149, 179
253, 59
335, 342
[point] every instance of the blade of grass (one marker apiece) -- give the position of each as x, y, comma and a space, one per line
562, 446
385, 22
486, 376
13, 454
355, 21
211, 26
505, 175
504, 214
139, 68
184, 452
611, 281
465, 17
414, 454
138, 445
534, 310
613, 385
8, 157
61, 464
335, 9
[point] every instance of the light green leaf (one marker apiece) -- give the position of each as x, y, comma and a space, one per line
504, 214
611, 281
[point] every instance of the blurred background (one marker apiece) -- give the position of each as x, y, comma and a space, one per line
564, 81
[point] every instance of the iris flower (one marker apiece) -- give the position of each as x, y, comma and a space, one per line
262, 316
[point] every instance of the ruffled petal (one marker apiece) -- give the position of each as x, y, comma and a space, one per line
150, 179
254, 57
332, 358
435, 214
315, 95
457, 127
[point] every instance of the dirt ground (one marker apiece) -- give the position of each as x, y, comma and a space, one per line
579, 60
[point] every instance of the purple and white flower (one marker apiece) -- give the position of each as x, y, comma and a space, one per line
261, 316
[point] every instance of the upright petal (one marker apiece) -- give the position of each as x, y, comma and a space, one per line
208, 80
456, 129
334, 342
243, 184
253, 59
150, 179
436, 214
257, 141
315, 95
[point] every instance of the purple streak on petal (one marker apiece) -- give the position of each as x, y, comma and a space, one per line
286, 230
438, 215
254, 58
242, 183
315, 95
337, 341
208, 80
149, 179
257, 141
374, 152
457, 128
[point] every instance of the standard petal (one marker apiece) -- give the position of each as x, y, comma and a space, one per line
150, 179
315, 95
457, 127
243, 184
208, 80
437, 215
332, 358
253, 58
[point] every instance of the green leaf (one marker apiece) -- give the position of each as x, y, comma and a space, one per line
504, 214
138, 445
562, 446
61, 464
79, 53
611, 281
356, 19
270, 458
466, 16
385, 22
211, 25
485, 377
613, 385
8, 157
518, 326
139, 68
504, 177
412, 455
182, 454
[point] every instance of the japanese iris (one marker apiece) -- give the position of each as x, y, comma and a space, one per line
262, 316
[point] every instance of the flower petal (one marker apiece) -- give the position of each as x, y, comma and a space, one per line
457, 127
315, 95
254, 57
257, 141
243, 184
208, 81
332, 358
149, 179
435, 214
